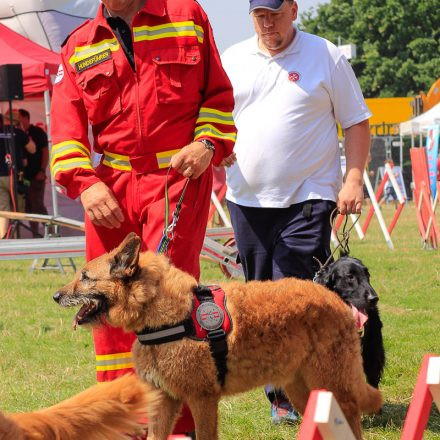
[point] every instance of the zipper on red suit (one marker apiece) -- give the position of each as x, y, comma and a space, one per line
136, 77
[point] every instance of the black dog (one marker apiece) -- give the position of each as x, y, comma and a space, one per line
350, 279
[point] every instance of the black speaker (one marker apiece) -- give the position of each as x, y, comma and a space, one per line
11, 82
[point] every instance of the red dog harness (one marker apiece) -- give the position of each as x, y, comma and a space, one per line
209, 321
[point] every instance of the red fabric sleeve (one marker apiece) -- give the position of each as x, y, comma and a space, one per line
215, 120
70, 160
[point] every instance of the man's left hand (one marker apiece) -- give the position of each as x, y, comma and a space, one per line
192, 160
350, 198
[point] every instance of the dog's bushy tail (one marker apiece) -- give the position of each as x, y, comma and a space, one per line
370, 400
102, 412
9, 430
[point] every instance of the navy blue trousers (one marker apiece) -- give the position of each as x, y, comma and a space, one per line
275, 243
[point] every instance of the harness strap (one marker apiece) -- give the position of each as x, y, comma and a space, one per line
217, 338
166, 333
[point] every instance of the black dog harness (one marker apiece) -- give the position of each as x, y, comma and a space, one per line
209, 321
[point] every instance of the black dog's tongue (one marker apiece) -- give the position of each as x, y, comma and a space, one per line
359, 316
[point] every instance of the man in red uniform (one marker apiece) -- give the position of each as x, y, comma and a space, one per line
147, 77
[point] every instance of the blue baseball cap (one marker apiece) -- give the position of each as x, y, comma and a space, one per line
273, 5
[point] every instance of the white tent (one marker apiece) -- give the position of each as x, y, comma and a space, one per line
420, 124
46, 22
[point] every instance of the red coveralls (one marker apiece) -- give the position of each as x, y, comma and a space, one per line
179, 93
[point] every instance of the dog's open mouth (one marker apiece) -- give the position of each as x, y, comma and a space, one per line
360, 316
92, 310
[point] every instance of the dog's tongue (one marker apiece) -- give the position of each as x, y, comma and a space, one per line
359, 316
80, 315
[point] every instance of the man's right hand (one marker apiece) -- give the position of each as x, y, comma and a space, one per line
101, 206
228, 161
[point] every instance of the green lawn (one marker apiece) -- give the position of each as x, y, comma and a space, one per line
43, 361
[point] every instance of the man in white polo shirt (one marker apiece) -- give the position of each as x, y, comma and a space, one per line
290, 88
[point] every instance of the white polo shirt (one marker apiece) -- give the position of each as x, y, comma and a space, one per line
285, 110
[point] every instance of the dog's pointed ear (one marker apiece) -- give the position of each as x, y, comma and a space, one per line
124, 262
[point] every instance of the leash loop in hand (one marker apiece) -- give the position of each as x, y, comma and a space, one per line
168, 231
342, 242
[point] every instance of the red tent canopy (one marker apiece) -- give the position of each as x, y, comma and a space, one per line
38, 62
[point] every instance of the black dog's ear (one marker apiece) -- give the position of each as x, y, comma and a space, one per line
325, 277
342, 253
126, 258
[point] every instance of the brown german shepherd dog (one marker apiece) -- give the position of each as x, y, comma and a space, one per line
294, 334
102, 412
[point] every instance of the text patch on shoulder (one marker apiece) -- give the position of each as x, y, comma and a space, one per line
93, 60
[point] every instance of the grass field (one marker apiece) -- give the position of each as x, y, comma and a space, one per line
43, 361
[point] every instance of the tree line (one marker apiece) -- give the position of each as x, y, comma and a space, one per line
397, 41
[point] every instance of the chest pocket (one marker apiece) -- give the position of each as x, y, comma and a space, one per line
101, 92
177, 74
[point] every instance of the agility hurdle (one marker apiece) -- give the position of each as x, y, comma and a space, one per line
225, 254
44, 248
426, 391
323, 419
47, 220
219, 247
375, 208
425, 206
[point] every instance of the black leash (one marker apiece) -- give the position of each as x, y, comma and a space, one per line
342, 242
168, 231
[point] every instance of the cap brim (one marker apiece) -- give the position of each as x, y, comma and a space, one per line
252, 8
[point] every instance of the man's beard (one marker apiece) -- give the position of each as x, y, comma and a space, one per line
272, 43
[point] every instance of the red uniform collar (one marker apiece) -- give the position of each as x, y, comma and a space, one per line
151, 7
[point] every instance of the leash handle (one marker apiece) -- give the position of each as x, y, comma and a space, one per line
342, 243
168, 231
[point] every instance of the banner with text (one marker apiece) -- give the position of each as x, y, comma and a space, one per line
432, 154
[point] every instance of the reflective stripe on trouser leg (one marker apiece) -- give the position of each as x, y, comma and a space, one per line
113, 352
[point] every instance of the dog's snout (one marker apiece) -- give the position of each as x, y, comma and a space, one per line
57, 297
372, 297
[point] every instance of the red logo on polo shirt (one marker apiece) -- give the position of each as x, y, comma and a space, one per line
294, 76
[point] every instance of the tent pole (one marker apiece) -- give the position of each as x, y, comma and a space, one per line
401, 151
52, 181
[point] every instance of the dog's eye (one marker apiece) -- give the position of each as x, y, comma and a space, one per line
350, 277
84, 277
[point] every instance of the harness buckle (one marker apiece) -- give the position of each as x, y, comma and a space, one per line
215, 335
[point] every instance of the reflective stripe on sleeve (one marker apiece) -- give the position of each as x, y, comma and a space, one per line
211, 131
69, 164
66, 148
216, 116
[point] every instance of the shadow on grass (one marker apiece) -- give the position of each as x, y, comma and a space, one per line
393, 415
